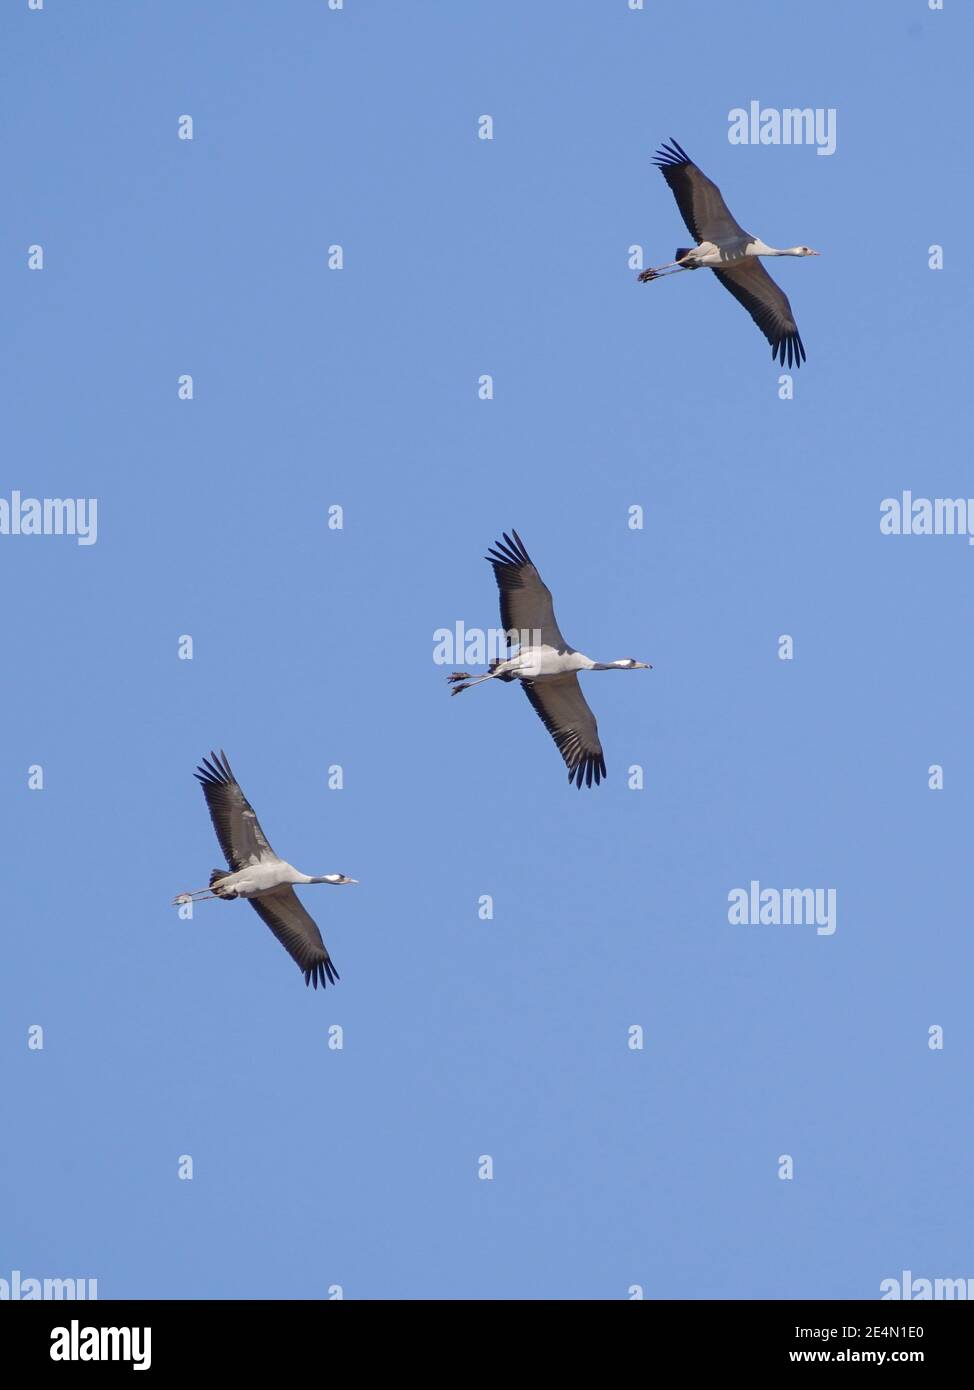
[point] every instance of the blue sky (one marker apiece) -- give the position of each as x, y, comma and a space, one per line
612, 1167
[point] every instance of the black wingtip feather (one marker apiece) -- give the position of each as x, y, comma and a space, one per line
323, 971
789, 351
510, 551
215, 770
587, 770
671, 154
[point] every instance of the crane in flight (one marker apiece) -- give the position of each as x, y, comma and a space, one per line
730, 252
545, 664
258, 875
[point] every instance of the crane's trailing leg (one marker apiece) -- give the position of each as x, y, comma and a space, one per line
657, 272
682, 262
217, 889
462, 680
500, 669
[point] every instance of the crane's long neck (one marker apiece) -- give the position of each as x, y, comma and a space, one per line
298, 877
761, 248
591, 665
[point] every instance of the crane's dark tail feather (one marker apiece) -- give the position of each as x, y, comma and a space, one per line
215, 877
681, 251
508, 676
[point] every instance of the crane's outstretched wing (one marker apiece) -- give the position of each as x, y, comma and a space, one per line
700, 201
566, 715
767, 303
284, 913
526, 604
237, 827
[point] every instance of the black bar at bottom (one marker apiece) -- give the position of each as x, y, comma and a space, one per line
165, 1337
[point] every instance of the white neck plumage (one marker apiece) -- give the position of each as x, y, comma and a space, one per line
626, 664
761, 248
